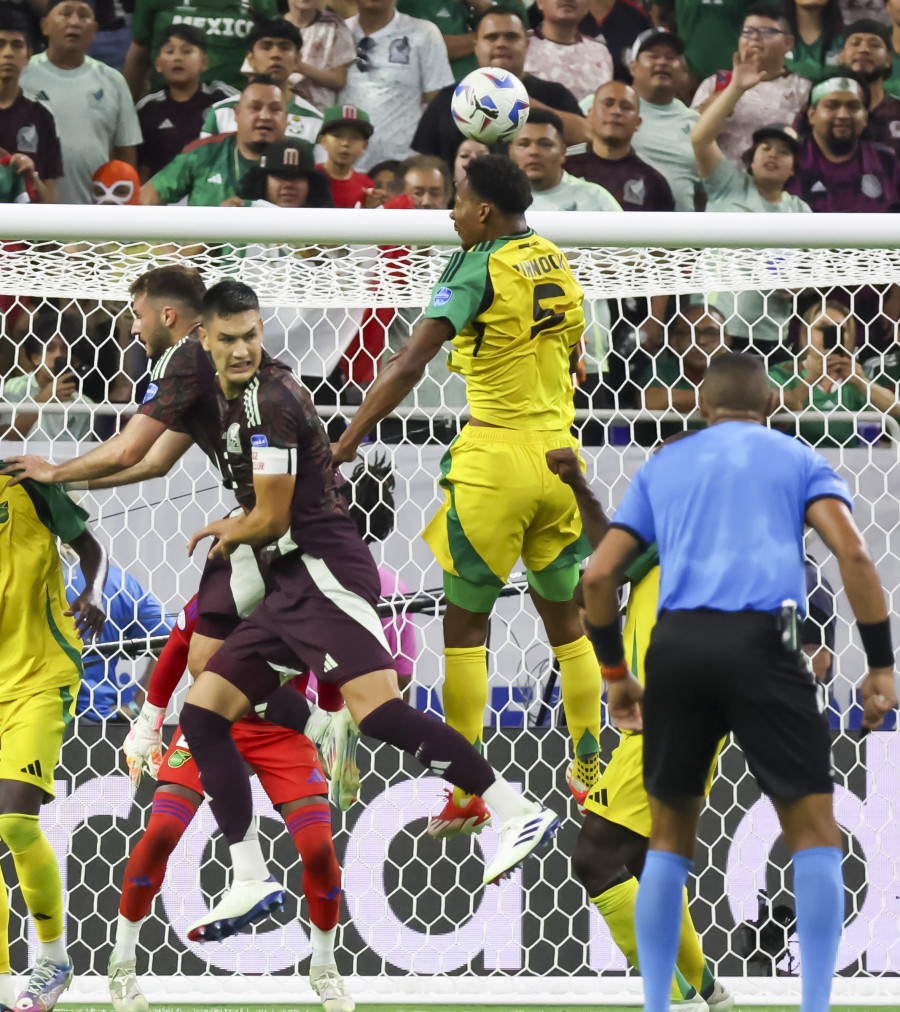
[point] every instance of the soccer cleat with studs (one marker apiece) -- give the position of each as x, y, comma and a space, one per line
245, 902
519, 837
462, 815
124, 991
330, 987
46, 983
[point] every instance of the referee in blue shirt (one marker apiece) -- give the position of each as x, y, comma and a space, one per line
727, 508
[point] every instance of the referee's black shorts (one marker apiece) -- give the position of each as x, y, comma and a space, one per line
711, 672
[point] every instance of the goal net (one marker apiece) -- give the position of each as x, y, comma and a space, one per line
340, 290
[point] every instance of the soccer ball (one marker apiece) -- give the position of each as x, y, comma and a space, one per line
490, 105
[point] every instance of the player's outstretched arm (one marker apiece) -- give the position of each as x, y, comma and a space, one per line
87, 608
159, 460
833, 522
604, 573
397, 377
122, 451
564, 462
265, 523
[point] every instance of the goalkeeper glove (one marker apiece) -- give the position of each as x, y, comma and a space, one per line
143, 746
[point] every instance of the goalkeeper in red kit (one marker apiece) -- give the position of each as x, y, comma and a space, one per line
288, 769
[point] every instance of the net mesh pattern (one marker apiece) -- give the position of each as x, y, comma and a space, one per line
415, 910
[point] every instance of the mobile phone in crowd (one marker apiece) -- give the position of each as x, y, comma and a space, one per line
831, 340
723, 79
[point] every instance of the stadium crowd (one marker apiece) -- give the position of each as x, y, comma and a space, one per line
672, 106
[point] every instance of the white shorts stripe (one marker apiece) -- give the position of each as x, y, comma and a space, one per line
247, 585
350, 604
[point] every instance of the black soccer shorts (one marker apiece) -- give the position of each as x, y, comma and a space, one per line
711, 672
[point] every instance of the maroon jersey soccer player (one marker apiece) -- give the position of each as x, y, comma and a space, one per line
318, 612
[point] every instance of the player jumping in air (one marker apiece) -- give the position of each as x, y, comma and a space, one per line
513, 311
181, 407
612, 843
40, 673
289, 771
318, 612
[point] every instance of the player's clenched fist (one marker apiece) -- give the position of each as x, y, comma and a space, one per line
143, 746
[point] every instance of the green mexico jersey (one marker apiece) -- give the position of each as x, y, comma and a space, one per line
710, 29
225, 23
206, 172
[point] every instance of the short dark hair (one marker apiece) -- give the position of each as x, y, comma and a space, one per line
498, 10
265, 79
181, 284
772, 12
228, 298
500, 182
369, 495
737, 380
544, 117
274, 28
428, 163
187, 33
13, 20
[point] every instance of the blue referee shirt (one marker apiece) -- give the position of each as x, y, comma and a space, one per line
726, 506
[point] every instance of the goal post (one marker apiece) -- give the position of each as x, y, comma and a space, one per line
339, 290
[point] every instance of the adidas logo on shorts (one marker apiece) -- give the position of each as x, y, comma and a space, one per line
329, 664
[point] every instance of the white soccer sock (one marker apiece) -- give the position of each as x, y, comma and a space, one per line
247, 860
55, 951
322, 946
506, 802
125, 945
8, 992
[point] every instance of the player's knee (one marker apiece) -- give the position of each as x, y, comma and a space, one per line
590, 865
19, 832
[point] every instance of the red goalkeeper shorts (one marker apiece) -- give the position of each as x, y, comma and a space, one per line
286, 763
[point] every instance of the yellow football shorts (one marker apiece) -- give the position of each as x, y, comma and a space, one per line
502, 503
31, 735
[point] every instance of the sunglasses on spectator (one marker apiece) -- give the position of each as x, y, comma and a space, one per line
761, 33
363, 49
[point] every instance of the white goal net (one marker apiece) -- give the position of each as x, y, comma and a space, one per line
339, 291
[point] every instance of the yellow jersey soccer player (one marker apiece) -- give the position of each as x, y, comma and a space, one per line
613, 840
40, 671
513, 311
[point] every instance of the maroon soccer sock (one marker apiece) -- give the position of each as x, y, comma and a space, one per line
329, 697
439, 748
222, 770
288, 708
170, 816
310, 828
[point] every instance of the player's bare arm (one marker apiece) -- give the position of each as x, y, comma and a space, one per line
398, 376
564, 463
265, 523
833, 522
158, 461
605, 572
122, 451
87, 608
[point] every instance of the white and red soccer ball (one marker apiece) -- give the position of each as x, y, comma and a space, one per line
490, 105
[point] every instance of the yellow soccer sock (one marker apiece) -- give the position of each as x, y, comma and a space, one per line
37, 871
4, 928
691, 961
580, 687
616, 906
465, 695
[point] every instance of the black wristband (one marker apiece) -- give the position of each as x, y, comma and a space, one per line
876, 640
608, 643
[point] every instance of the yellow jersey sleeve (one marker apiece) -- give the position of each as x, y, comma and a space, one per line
517, 312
